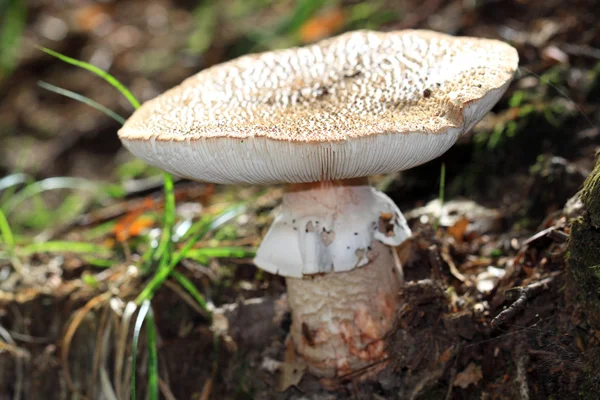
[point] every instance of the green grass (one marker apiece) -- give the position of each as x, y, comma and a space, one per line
33, 189
164, 249
203, 255
82, 99
158, 261
63, 247
145, 314
171, 259
23, 201
441, 195
191, 289
8, 242
13, 15
6, 233
97, 71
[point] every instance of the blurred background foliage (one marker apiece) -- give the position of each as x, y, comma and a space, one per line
153, 45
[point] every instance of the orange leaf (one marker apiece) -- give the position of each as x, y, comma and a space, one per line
458, 229
322, 26
134, 222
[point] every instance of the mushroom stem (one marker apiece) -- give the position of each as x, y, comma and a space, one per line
332, 242
340, 320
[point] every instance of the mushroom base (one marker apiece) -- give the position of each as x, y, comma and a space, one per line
340, 320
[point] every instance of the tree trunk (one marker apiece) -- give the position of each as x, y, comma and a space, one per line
584, 268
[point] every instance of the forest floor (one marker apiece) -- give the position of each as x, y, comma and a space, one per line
82, 250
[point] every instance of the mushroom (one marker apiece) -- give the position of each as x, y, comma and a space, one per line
322, 119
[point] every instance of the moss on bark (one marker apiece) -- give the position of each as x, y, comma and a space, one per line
590, 195
584, 260
584, 268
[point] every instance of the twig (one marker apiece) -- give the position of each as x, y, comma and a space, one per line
434, 259
522, 295
19, 355
398, 264
70, 332
581, 50
551, 232
453, 372
166, 390
186, 297
558, 236
121, 348
21, 337
361, 371
98, 349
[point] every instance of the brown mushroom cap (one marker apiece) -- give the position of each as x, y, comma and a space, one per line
358, 104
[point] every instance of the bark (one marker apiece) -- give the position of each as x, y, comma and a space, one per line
584, 268
584, 259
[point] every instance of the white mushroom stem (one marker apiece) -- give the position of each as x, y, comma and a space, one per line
340, 320
332, 243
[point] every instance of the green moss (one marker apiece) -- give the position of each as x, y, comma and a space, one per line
590, 195
584, 262
584, 257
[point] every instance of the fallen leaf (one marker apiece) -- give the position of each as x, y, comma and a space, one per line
134, 222
469, 376
292, 369
457, 231
446, 355
206, 389
322, 26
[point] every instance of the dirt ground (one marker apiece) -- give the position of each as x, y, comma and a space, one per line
501, 299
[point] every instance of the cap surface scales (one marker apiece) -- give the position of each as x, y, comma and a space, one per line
359, 104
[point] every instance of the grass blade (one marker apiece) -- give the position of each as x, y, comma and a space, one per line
8, 238
48, 184
85, 100
6, 233
9, 185
199, 227
11, 29
191, 289
168, 220
220, 220
139, 322
13, 180
99, 262
95, 70
63, 247
441, 195
222, 252
152, 356
165, 269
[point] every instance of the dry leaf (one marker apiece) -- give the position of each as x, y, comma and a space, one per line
322, 26
458, 229
292, 369
134, 222
446, 355
470, 375
206, 389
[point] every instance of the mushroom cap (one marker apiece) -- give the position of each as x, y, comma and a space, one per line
359, 104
